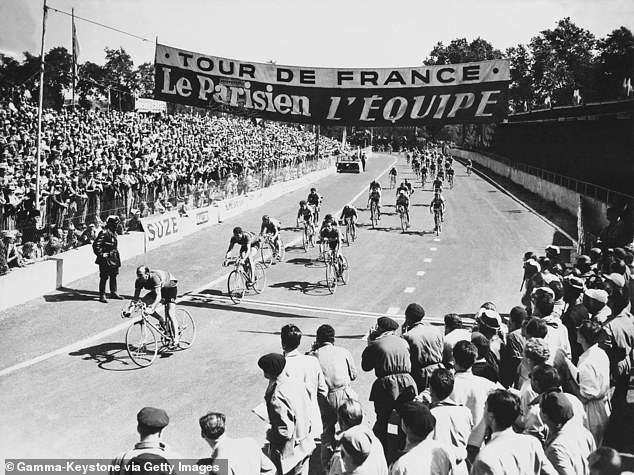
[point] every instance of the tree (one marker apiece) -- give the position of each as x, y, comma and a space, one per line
461, 51
143, 80
521, 88
614, 62
58, 75
119, 76
562, 61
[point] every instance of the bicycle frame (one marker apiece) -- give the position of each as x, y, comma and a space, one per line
141, 307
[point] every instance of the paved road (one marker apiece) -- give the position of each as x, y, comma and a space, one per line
81, 396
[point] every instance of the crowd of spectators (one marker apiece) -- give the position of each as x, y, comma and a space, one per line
541, 390
95, 164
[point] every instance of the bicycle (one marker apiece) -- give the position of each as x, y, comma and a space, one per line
437, 221
374, 213
351, 230
270, 251
336, 271
423, 179
404, 217
468, 170
451, 178
315, 214
308, 236
141, 338
392, 181
239, 282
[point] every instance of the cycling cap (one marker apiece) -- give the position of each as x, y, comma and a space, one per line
313, 189
346, 207
265, 217
237, 230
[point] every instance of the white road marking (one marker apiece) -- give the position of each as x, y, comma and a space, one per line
409, 290
433, 248
437, 239
392, 311
420, 273
427, 259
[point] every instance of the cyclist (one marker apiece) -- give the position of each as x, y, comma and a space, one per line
314, 200
410, 191
162, 286
437, 185
349, 215
432, 167
393, 174
331, 237
305, 214
375, 195
438, 205
271, 227
469, 165
450, 175
402, 199
423, 172
441, 174
249, 245
402, 187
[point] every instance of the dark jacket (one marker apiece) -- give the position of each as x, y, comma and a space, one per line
105, 248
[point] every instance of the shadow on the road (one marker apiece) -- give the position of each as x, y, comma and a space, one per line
419, 233
302, 261
308, 288
200, 303
108, 356
378, 228
421, 204
65, 295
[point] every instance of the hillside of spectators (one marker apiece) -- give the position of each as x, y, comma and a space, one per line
96, 163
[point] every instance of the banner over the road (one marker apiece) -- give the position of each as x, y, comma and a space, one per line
453, 93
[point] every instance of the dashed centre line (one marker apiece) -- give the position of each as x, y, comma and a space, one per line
433, 248
409, 290
420, 273
427, 259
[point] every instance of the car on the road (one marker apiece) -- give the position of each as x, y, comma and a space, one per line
348, 163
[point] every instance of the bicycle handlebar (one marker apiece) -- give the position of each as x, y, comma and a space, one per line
138, 305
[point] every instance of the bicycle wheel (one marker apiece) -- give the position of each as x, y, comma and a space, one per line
259, 277
305, 239
141, 344
353, 231
281, 252
437, 222
373, 213
348, 234
331, 276
345, 270
403, 219
186, 328
236, 286
267, 253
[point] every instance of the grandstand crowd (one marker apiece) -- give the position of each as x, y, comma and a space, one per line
97, 163
540, 390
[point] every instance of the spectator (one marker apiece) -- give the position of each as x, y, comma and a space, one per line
454, 332
514, 349
508, 452
151, 423
361, 452
388, 355
470, 390
605, 461
545, 379
349, 414
289, 409
574, 313
306, 369
423, 454
489, 324
569, 445
485, 365
105, 248
425, 345
591, 379
596, 301
543, 300
339, 371
453, 421
536, 353
243, 456
4, 266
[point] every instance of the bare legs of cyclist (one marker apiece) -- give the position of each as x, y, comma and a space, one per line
170, 313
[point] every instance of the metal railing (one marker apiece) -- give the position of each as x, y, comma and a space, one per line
588, 189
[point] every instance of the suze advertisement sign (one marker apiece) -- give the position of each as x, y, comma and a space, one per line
161, 229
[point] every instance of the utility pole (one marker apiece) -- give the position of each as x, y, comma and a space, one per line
39, 113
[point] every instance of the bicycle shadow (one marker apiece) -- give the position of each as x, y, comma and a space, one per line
419, 233
111, 356
302, 261
307, 288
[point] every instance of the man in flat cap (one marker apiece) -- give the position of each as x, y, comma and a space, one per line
423, 454
596, 301
151, 423
362, 453
569, 445
425, 345
388, 355
289, 411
